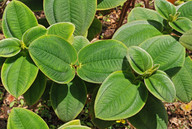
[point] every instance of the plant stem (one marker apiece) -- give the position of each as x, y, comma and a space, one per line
127, 5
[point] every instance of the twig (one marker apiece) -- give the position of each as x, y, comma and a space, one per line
127, 5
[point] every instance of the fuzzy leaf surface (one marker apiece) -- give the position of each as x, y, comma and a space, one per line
17, 19
54, 56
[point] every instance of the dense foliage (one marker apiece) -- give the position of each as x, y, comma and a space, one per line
144, 64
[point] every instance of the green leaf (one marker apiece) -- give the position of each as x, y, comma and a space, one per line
139, 13
108, 4
76, 127
119, 98
101, 124
94, 29
129, 33
80, 13
139, 60
35, 5
186, 39
33, 33
62, 29
185, 10
37, 89
166, 51
55, 57
80, 42
166, 9
152, 116
73, 122
2, 60
68, 100
161, 86
18, 73
9, 47
183, 83
17, 18
101, 58
181, 25
21, 118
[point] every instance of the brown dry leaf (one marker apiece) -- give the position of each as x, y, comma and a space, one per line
10, 98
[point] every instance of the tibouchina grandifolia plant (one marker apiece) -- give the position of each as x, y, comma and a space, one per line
141, 66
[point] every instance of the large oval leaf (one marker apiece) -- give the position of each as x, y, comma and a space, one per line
55, 57
73, 122
139, 59
101, 124
166, 9
37, 89
80, 42
17, 18
186, 39
99, 59
129, 33
181, 25
183, 83
108, 4
76, 127
18, 73
166, 51
33, 33
144, 14
119, 98
21, 118
62, 29
161, 86
79, 12
9, 47
94, 29
152, 116
68, 100
185, 10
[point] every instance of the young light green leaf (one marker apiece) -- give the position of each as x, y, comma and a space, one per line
68, 100
80, 13
186, 39
9, 47
119, 98
139, 60
161, 86
18, 73
108, 4
185, 10
166, 51
76, 127
166, 9
17, 18
37, 89
152, 116
94, 29
129, 33
62, 29
139, 13
80, 42
99, 59
181, 25
55, 57
183, 83
73, 122
33, 33
21, 118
